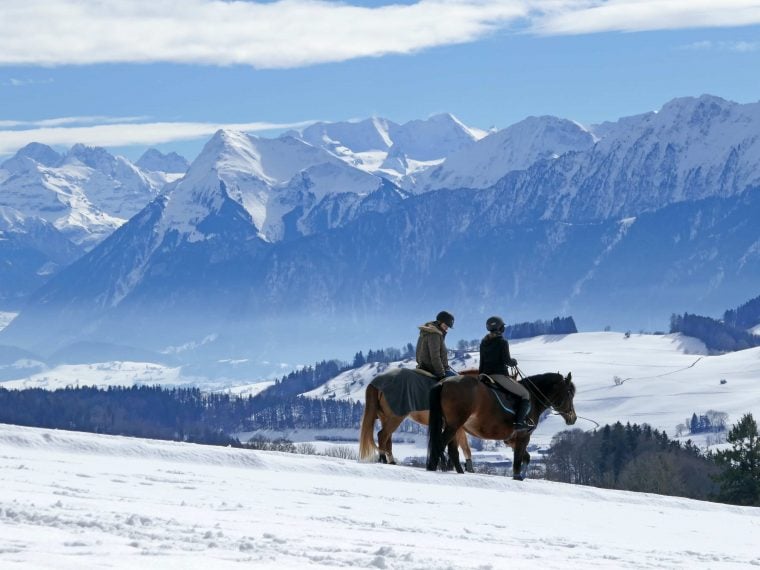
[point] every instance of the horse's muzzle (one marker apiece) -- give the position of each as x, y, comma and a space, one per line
570, 418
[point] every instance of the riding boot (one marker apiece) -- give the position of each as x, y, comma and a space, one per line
520, 417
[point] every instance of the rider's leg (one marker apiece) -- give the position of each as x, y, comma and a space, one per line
518, 389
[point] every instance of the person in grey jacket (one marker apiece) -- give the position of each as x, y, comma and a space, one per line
431, 346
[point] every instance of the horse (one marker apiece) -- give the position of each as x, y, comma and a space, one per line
465, 402
376, 406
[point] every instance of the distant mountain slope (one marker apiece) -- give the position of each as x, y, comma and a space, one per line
31, 251
383, 147
515, 148
86, 193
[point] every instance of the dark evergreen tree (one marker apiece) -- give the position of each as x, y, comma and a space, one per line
740, 479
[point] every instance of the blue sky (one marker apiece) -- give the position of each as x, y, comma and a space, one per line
166, 73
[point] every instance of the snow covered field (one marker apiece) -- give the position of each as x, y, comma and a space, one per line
73, 500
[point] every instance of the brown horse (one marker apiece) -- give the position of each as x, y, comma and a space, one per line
466, 402
376, 407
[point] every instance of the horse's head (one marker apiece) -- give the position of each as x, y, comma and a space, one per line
562, 399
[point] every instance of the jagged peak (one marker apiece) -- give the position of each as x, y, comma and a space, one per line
92, 156
691, 103
37, 152
154, 160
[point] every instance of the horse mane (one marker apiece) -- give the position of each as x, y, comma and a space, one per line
544, 381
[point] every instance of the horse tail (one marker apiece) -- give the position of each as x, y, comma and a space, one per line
367, 445
435, 428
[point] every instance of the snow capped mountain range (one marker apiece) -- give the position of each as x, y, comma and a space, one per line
621, 223
692, 149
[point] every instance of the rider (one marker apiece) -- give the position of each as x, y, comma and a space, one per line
431, 346
494, 359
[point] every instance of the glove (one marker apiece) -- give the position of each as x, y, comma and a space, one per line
512, 362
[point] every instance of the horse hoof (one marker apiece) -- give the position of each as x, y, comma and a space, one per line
468, 466
382, 459
518, 477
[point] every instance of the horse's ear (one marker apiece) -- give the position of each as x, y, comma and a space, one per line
569, 377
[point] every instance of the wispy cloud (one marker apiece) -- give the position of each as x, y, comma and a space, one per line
62, 121
20, 82
734, 46
126, 134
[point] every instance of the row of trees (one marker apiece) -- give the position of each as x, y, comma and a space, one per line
715, 334
745, 316
638, 458
184, 414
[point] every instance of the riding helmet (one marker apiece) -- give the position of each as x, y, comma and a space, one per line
495, 324
446, 318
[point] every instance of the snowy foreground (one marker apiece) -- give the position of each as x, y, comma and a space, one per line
73, 500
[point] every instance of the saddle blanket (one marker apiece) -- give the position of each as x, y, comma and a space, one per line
405, 390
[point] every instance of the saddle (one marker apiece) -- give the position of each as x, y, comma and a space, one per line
506, 398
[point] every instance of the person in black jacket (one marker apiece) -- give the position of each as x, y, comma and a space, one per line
494, 360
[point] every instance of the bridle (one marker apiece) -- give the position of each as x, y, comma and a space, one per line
543, 399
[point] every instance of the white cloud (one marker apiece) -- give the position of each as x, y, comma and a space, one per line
293, 33
592, 16
286, 33
126, 134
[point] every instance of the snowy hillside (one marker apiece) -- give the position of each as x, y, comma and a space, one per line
655, 379
73, 501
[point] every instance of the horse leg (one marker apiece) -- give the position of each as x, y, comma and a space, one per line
450, 445
384, 442
520, 455
453, 449
465, 445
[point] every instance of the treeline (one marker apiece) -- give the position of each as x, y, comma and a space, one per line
306, 413
558, 325
633, 458
384, 355
745, 316
181, 414
638, 458
716, 335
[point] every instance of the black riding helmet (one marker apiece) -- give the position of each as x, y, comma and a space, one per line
446, 318
495, 324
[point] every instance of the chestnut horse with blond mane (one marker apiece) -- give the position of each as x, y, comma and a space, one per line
376, 406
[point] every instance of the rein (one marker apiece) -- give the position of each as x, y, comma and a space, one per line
544, 400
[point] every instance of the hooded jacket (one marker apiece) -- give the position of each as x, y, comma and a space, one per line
431, 349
